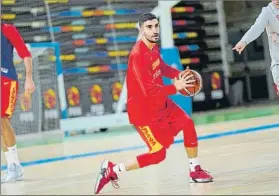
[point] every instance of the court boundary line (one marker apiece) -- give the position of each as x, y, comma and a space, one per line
130, 148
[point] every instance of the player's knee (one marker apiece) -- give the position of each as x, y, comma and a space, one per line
151, 158
190, 134
4, 123
159, 156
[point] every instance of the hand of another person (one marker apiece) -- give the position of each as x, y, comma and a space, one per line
240, 46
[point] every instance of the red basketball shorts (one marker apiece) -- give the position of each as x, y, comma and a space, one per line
161, 134
9, 91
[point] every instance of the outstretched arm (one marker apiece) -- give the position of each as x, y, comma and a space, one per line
254, 32
257, 28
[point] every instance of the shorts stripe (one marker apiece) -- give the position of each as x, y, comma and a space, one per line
154, 145
12, 98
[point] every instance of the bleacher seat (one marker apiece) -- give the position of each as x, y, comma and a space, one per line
86, 30
196, 34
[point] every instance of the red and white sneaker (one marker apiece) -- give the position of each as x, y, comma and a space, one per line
106, 175
200, 175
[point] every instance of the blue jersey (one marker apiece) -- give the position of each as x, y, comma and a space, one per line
7, 64
10, 39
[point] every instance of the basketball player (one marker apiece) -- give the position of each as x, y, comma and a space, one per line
269, 20
10, 39
155, 116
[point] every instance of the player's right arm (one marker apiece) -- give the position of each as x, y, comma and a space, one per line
254, 32
145, 80
146, 83
17, 41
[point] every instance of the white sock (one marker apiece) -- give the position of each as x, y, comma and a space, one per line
119, 168
193, 162
8, 158
13, 157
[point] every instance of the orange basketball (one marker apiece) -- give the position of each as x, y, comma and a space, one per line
192, 91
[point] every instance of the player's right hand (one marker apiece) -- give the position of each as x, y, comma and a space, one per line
183, 82
239, 47
29, 86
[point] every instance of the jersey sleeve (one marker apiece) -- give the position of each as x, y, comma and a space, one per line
168, 71
144, 78
17, 41
257, 28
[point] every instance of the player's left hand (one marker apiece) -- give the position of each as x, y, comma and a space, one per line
186, 75
240, 46
29, 86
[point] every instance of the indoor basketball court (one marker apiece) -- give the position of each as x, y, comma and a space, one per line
80, 58
242, 155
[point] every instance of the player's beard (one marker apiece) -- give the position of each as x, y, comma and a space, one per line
153, 41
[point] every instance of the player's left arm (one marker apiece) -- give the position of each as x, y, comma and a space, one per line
257, 28
168, 71
19, 44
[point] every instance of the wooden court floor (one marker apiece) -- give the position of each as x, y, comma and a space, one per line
245, 163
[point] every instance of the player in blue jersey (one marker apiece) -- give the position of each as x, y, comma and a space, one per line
10, 39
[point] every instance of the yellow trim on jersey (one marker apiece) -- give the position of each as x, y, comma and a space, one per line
12, 98
151, 140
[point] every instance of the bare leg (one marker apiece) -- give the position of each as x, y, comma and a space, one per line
8, 132
192, 152
132, 165
3, 141
8, 143
8, 140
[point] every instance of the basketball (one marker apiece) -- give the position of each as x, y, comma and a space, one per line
192, 91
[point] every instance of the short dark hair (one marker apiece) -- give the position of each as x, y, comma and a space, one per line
145, 17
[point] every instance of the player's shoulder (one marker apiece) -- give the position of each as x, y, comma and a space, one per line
8, 26
270, 9
136, 50
266, 9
